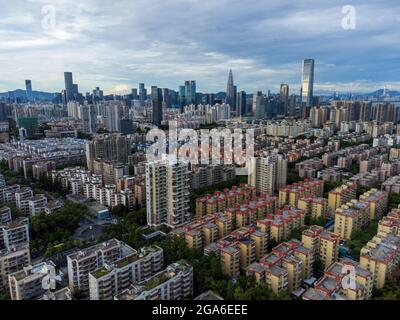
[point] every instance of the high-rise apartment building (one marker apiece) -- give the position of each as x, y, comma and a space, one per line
167, 193
82, 262
136, 267
27, 284
114, 147
269, 174
324, 244
341, 195
173, 283
14, 233
13, 260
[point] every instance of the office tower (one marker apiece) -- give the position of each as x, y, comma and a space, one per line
292, 105
284, 92
182, 100
134, 93
259, 104
142, 94
167, 193
230, 92
156, 100
166, 97
190, 92
28, 86
241, 102
98, 94
107, 147
69, 86
307, 82
75, 89
269, 174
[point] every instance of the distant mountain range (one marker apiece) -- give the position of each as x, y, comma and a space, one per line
380, 93
19, 93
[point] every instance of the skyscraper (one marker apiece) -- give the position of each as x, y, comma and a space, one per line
134, 93
230, 91
307, 82
182, 90
259, 105
167, 193
28, 86
292, 105
156, 100
190, 92
284, 92
69, 86
241, 103
142, 94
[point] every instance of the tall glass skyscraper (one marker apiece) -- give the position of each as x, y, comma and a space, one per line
182, 96
307, 82
28, 86
71, 89
241, 103
190, 92
230, 92
142, 93
157, 99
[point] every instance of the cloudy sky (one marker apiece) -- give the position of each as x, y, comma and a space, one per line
116, 44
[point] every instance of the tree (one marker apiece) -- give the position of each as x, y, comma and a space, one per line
119, 211
394, 201
360, 238
59, 227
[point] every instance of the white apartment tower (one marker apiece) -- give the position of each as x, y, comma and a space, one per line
269, 174
167, 190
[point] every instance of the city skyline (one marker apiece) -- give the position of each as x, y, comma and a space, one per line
115, 51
